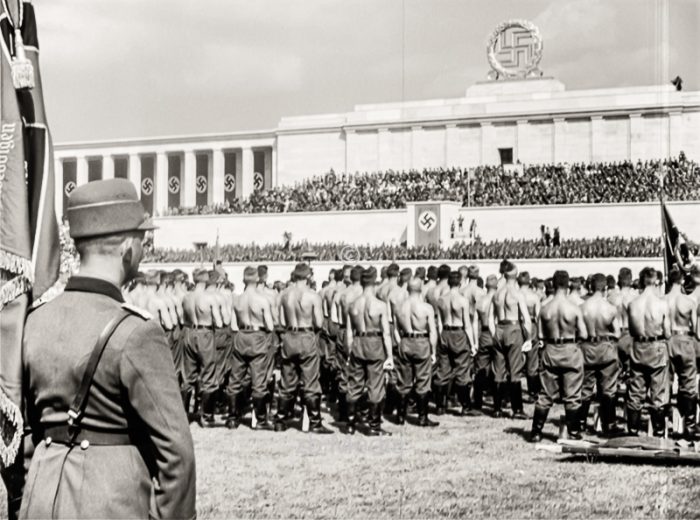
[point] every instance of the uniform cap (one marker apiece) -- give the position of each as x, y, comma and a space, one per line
106, 208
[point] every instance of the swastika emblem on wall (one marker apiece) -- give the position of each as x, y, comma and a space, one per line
201, 184
515, 50
174, 185
427, 220
147, 186
70, 186
229, 183
258, 181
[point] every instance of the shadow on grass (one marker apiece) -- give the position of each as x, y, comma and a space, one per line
651, 460
524, 433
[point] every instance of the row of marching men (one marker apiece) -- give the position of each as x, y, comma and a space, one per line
377, 344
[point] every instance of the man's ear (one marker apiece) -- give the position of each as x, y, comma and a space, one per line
127, 250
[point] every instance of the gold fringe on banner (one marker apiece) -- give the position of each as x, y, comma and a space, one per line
12, 289
12, 413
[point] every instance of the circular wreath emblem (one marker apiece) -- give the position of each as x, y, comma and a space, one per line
533, 59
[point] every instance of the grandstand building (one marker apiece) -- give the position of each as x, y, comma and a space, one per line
517, 116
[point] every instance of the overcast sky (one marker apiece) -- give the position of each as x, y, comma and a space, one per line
134, 68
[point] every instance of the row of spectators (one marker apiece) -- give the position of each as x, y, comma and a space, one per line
481, 186
616, 247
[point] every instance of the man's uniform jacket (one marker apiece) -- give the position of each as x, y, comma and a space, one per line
134, 391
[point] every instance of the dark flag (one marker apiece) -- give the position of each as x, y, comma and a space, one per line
29, 241
676, 252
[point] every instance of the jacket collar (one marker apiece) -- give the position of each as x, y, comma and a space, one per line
94, 285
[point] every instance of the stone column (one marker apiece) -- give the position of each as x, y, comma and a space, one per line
349, 150
416, 131
189, 174
486, 143
451, 146
383, 147
558, 140
247, 171
81, 170
217, 176
675, 133
107, 167
275, 179
635, 138
268, 168
596, 138
160, 202
519, 154
134, 174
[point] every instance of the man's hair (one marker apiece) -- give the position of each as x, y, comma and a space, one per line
324, 284
473, 272
675, 277
392, 271
382, 272
331, 274
524, 279
107, 245
414, 285
508, 268
368, 277
463, 271
598, 282
432, 273
479, 282
560, 280
339, 275
356, 273
502, 267
420, 272
454, 279
575, 283
647, 276
443, 272
610, 281
406, 273
491, 281
624, 277
262, 272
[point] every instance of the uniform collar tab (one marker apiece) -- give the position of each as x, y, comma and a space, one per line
94, 285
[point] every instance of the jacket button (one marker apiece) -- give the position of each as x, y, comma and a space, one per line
48, 441
85, 444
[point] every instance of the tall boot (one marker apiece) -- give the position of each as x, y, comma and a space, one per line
332, 386
260, 411
583, 414
465, 401
498, 389
313, 407
351, 417
285, 407
375, 421
401, 409
573, 426
440, 397
479, 385
657, 417
233, 420
533, 387
423, 419
186, 396
608, 420
634, 418
688, 407
516, 400
390, 400
342, 407
208, 404
538, 421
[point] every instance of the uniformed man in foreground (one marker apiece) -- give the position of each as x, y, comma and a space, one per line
301, 314
561, 373
111, 436
650, 328
416, 335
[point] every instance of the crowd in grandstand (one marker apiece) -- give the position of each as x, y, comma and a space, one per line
564, 183
615, 247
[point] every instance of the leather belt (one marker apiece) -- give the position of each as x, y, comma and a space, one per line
485, 328
561, 341
453, 327
203, 327
648, 339
414, 334
596, 339
300, 329
249, 328
64, 434
508, 322
369, 334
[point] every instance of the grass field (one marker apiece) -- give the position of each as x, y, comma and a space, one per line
466, 467
474, 466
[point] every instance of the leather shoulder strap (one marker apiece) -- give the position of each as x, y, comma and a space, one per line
76, 410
